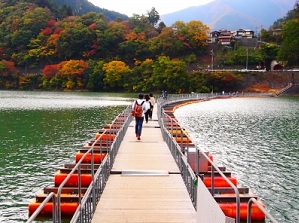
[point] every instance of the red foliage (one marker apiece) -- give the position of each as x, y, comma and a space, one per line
51, 23
50, 71
92, 26
47, 31
58, 31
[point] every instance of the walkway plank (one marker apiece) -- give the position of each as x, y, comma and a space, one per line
150, 188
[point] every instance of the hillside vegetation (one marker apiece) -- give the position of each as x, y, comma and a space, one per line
49, 47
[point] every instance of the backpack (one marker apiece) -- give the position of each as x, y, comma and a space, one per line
137, 112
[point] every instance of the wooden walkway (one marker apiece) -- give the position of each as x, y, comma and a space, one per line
145, 184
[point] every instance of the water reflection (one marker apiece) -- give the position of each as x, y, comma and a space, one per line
59, 100
257, 139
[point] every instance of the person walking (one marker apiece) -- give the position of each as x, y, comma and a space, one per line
139, 104
148, 102
153, 102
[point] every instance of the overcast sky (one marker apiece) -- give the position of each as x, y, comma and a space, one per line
129, 7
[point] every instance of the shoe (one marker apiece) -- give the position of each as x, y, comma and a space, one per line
138, 138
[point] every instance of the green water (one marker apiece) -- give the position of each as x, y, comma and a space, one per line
39, 132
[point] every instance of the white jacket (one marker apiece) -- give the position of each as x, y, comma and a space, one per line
145, 106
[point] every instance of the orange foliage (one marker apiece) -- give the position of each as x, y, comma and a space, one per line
7, 67
135, 36
53, 39
73, 67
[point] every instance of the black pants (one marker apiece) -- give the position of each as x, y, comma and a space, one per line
151, 112
147, 114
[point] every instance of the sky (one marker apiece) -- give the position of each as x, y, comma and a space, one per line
129, 7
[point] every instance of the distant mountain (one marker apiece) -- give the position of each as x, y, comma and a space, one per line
80, 7
233, 14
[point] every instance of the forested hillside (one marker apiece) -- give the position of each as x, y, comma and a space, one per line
49, 47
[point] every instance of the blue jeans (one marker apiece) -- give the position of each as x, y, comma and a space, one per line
138, 125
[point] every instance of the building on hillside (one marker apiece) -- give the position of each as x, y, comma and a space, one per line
276, 32
243, 33
224, 37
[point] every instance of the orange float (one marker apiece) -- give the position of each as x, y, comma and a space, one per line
73, 181
176, 132
183, 140
67, 209
211, 158
105, 137
229, 209
98, 157
219, 181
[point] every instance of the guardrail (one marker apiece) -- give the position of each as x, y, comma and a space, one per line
188, 175
52, 197
253, 200
91, 197
87, 203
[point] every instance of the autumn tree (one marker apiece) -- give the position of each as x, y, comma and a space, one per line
72, 71
114, 72
193, 34
167, 43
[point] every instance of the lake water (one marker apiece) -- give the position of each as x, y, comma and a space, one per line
39, 133
257, 139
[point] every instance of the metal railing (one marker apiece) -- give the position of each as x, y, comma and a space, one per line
50, 197
87, 203
170, 125
87, 206
253, 200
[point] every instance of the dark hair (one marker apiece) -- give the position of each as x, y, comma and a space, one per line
140, 96
146, 97
151, 95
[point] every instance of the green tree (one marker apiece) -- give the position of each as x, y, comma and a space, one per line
170, 75
167, 43
75, 41
269, 53
94, 80
140, 80
289, 50
153, 16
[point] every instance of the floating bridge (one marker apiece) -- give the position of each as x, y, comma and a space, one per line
163, 177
